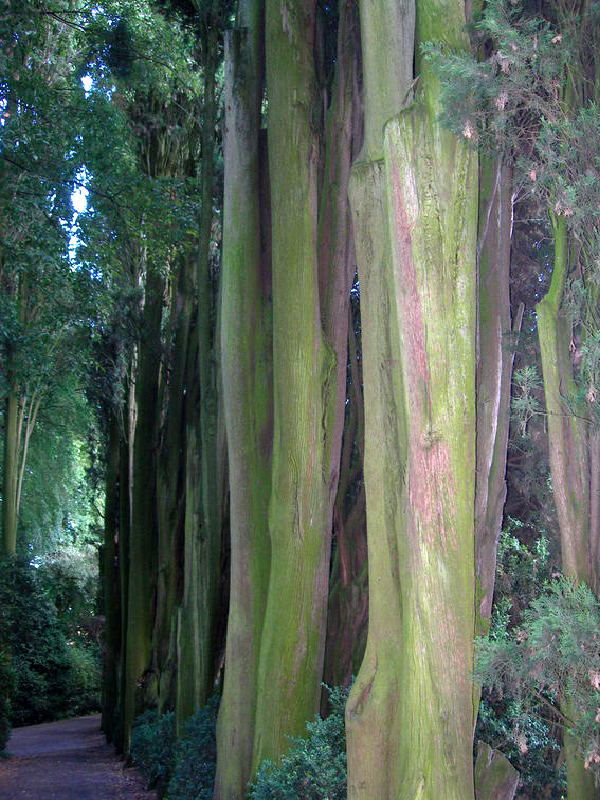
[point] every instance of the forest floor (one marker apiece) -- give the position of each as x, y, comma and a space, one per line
66, 760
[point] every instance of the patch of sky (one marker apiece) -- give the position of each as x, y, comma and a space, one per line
79, 200
87, 83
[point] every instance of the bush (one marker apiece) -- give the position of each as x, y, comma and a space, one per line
56, 669
549, 666
196, 756
315, 766
7, 680
152, 746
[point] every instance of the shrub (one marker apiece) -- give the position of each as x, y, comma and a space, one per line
549, 663
56, 670
152, 745
7, 679
315, 766
196, 756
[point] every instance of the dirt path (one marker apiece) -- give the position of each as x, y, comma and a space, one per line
66, 760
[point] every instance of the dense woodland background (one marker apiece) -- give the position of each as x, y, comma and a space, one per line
300, 362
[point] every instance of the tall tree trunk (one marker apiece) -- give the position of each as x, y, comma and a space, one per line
143, 539
112, 594
418, 312
337, 266
291, 652
309, 340
246, 353
373, 704
348, 593
569, 463
10, 474
127, 427
198, 622
495, 356
171, 487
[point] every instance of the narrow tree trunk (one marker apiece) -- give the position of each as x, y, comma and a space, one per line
143, 537
112, 594
198, 624
495, 355
246, 354
305, 398
10, 472
569, 463
566, 433
373, 705
171, 488
127, 426
348, 593
337, 268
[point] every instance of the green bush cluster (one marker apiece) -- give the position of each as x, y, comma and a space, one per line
313, 769
540, 658
152, 746
196, 756
7, 681
183, 769
50, 666
315, 766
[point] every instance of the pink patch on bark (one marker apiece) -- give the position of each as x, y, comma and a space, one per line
411, 314
431, 481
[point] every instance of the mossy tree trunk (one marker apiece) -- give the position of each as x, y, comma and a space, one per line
10, 472
246, 347
569, 462
143, 539
198, 623
348, 590
291, 649
311, 285
372, 708
410, 713
171, 483
111, 578
279, 605
495, 356
337, 267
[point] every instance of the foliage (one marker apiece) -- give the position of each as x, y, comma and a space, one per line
528, 94
7, 682
524, 733
55, 664
315, 766
196, 756
546, 670
152, 744
525, 402
186, 766
498, 98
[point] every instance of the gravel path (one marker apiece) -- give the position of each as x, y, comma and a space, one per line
66, 760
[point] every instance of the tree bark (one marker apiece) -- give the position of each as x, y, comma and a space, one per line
246, 355
495, 777
10, 472
171, 486
409, 725
569, 463
143, 540
292, 642
198, 618
112, 594
495, 356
